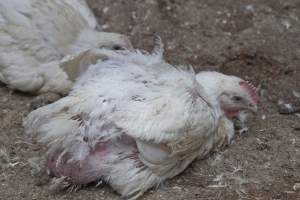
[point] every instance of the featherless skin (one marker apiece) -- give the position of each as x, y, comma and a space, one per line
35, 35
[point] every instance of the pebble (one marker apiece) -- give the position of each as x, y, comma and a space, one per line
249, 8
296, 94
286, 24
286, 108
177, 188
296, 186
105, 9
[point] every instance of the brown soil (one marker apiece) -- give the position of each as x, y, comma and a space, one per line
258, 40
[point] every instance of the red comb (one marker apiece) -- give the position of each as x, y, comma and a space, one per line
251, 89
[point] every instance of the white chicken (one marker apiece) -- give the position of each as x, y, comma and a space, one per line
35, 35
134, 121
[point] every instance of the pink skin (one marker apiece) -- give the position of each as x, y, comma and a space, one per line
78, 172
232, 114
94, 166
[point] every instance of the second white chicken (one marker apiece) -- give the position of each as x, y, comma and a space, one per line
35, 35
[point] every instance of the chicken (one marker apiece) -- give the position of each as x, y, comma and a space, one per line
132, 120
144, 125
36, 35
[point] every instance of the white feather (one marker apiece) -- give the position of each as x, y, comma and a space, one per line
84, 10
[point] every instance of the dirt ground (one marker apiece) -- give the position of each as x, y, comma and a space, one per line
258, 40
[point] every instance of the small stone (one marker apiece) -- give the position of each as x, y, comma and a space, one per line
286, 108
177, 188
249, 8
296, 94
105, 10
280, 102
286, 24
296, 186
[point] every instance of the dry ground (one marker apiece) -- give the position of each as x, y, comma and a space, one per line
256, 39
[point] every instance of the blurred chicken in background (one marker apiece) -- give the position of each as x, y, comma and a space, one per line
36, 35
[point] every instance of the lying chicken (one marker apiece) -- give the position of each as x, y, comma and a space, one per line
135, 120
243, 95
35, 35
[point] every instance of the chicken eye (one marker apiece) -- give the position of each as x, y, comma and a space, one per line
117, 47
236, 98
